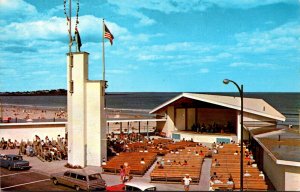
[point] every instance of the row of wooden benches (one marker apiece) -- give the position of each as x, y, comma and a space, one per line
175, 172
229, 166
134, 161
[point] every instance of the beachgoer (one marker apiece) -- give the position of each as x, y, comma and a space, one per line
103, 161
122, 173
185, 163
230, 181
186, 182
211, 183
127, 171
261, 174
217, 181
214, 175
201, 153
247, 174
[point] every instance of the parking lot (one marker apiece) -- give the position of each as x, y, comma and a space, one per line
38, 177
27, 180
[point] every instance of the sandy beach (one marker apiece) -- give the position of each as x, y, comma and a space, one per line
35, 114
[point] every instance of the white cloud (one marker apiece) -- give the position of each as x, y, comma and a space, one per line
246, 4
135, 7
166, 6
204, 70
246, 64
56, 28
285, 37
16, 10
116, 71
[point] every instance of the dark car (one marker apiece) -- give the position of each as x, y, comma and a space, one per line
13, 162
80, 180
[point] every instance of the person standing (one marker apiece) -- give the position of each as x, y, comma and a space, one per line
122, 173
127, 172
186, 182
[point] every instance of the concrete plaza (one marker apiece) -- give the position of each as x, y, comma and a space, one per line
47, 168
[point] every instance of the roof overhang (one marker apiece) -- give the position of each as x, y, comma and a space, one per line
279, 117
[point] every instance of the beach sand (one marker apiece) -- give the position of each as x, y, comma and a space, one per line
35, 114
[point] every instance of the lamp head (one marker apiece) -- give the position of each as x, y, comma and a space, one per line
226, 81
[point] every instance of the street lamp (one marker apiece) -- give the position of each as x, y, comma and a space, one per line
226, 81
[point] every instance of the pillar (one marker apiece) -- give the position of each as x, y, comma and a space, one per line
86, 118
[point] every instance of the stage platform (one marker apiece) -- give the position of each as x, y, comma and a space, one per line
204, 137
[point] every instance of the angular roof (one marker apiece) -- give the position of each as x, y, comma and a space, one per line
251, 105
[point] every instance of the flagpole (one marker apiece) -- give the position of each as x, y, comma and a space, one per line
103, 53
70, 49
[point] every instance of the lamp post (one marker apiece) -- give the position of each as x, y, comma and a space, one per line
1, 112
226, 81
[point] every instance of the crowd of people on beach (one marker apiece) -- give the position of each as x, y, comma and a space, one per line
9, 144
44, 149
14, 113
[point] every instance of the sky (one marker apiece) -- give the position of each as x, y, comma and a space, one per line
159, 45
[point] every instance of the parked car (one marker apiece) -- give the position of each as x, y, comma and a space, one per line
13, 162
132, 186
80, 180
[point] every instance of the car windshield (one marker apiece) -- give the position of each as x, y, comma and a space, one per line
17, 158
94, 177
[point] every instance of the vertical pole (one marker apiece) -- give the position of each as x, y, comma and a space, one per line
242, 139
103, 53
139, 127
1, 113
120, 127
148, 130
108, 127
70, 49
128, 128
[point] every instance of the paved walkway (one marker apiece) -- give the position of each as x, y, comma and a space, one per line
47, 168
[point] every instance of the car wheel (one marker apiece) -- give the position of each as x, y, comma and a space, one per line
77, 188
55, 182
9, 168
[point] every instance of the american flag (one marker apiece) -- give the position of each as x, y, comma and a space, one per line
108, 35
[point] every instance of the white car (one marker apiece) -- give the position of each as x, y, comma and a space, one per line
132, 186
139, 186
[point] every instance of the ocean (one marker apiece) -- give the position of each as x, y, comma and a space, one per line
286, 103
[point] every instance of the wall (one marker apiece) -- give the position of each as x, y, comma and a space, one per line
180, 119
191, 117
274, 172
204, 138
27, 131
169, 125
93, 132
76, 110
219, 116
292, 178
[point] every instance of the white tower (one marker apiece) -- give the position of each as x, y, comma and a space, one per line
86, 118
